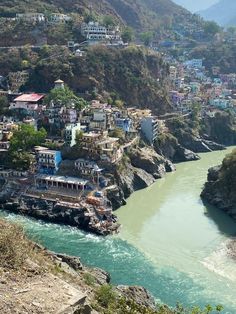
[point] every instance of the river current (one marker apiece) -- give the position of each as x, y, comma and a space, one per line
170, 242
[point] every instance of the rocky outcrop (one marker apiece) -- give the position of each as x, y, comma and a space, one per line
130, 179
169, 147
219, 191
148, 160
116, 196
53, 211
198, 144
138, 294
140, 171
221, 128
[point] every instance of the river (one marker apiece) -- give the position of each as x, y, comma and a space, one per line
169, 242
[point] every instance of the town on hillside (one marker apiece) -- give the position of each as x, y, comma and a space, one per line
61, 149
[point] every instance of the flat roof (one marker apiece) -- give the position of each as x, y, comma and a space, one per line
48, 151
109, 140
63, 179
29, 97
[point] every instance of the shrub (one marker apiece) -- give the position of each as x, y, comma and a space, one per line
14, 247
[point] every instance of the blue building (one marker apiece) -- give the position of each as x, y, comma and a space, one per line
48, 161
124, 123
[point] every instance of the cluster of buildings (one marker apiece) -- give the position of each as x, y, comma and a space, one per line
101, 133
191, 84
52, 18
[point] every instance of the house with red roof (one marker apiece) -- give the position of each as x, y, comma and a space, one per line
29, 102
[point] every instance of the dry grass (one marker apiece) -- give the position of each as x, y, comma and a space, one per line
15, 248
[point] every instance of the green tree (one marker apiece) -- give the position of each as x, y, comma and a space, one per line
20, 160
65, 97
108, 21
26, 137
147, 38
3, 104
127, 35
211, 28
78, 138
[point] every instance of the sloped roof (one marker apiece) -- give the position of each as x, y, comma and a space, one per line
29, 97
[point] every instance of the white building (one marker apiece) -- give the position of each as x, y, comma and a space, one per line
57, 18
87, 167
149, 128
93, 31
70, 133
31, 17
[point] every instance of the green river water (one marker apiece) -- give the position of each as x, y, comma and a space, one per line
169, 242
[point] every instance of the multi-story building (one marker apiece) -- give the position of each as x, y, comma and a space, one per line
87, 167
149, 128
124, 123
69, 115
99, 146
194, 63
31, 17
94, 32
48, 161
28, 102
56, 18
70, 133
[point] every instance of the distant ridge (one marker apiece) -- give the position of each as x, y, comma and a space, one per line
223, 12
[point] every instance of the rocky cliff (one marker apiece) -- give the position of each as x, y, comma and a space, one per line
138, 170
220, 188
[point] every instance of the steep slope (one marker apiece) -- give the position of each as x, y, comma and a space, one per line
139, 14
223, 12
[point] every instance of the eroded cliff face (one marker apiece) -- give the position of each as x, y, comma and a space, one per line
137, 171
220, 188
221, 128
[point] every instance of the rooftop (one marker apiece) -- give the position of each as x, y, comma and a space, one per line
63, 179
29, 97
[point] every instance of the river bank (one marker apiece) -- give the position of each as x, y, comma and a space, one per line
175, 249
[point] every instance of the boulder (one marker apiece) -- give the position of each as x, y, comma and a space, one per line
183, 154
148, 160
138, 294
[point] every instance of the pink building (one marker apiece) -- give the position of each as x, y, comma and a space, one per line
29, 102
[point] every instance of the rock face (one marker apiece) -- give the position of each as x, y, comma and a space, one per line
138, 294
140, 171
198, 144
148, 160
169, 148
218, 193
54, 212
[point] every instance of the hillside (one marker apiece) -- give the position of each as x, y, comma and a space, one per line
140, 14
223, 12
221, 55
132, 74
